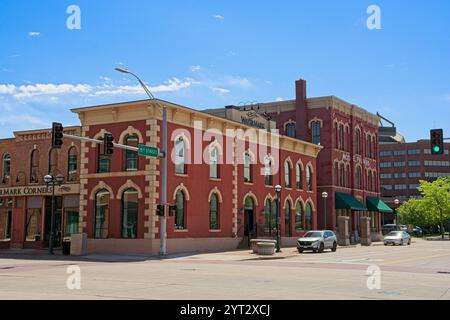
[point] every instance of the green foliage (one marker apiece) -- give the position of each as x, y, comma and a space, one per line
433, 208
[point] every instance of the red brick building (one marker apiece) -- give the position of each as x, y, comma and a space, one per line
217, 203
348, 163
25, 200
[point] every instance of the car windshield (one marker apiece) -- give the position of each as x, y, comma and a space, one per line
313, 234
394, 233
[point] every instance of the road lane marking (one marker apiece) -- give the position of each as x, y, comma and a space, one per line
416, 258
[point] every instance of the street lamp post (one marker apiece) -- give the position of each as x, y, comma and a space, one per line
51, 180
325, 196
278, 191
163, 156
396, 202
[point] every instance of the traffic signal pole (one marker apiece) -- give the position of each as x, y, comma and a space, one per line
163, 221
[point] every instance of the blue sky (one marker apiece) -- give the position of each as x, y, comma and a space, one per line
211, 53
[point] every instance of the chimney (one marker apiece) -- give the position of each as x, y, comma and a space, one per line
300, 109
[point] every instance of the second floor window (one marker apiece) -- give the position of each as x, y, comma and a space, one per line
287, 174
291, 130
72, 164
53, 161
247, 168
315, 129
131, 157
298, 177
180, 156
358, 142
268, 172
103, 162
214, 163
6, 166
34, 167
308, 178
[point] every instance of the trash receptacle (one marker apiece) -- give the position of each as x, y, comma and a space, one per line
66, 246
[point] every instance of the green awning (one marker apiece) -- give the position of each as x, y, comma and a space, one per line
347, 201
375, 204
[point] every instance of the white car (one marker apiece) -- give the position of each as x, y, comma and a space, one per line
397, 238
317, 241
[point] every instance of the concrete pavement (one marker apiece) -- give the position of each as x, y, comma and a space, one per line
419, 271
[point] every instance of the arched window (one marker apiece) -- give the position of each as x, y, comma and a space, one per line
369, 180
34, 166
268, 172
101, 220
72, 164
214, 163
6, 167
214, 212
358, 142
268, 212
336, 174
291, 130
308, 216
129, 213
287, 219
103, 162
287, 174
341, 137
358, 178
131, 157
308, 178
248, 176
180, 156
298, 217
315, 129
341, 175
298, 177
348, 176
180, 211
53, 161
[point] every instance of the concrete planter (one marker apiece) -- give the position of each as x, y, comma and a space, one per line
266, 248
254, 243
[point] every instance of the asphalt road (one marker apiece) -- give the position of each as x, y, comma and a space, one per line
419, 271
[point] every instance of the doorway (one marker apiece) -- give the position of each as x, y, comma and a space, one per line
249, 216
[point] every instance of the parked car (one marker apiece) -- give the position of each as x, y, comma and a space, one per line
385, 229
397, 238
317, 241
417, 231
403, 227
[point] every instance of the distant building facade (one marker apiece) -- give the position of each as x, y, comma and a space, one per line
403, 165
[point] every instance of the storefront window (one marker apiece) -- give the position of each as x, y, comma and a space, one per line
131, 157
5, 219
129, 214
298, 217
72, 219
308, 216
180, 214
101, 214
214, 213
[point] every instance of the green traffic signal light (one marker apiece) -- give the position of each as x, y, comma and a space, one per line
436, 149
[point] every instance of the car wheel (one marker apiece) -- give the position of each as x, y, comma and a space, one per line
385, 243
321, 248
409, 242
300, 250
334, 247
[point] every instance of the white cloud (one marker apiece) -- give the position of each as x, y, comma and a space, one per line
27, 91
196, 68
34, 34
221, 90
219, 17
239, 82
7, 89
279, 99
105, 79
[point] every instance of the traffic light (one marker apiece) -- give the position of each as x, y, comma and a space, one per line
108, 145
57, 135
437, 141
160, 210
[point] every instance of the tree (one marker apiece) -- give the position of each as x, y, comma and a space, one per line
411, 212
436, 200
